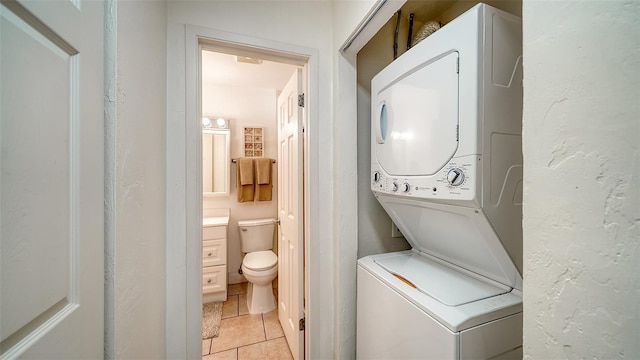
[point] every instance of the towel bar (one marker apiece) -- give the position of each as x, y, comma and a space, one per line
236, 160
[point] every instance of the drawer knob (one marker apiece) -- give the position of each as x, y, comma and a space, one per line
209, 281
209, 254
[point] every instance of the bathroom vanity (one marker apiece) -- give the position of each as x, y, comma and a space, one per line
214, 255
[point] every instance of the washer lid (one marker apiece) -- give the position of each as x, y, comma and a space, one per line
443, 283
260, 260
458, 235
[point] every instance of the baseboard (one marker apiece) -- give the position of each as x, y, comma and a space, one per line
236, 279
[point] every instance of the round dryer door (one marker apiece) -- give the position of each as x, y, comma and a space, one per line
416, 124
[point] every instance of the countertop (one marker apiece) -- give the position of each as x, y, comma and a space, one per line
215, 221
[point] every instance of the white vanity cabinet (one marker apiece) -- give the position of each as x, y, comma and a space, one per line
214, 258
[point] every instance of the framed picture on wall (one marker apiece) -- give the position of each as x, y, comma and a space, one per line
253, 141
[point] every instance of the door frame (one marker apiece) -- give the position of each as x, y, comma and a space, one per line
184, 207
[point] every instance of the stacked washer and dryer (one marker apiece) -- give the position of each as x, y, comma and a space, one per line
447, 168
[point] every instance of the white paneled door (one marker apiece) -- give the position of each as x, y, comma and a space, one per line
290, 208
51, 179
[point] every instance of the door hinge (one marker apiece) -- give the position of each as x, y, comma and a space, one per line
301, 324
301, 100
458, 66
457, 132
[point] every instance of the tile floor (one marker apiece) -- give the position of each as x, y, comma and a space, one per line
244, 336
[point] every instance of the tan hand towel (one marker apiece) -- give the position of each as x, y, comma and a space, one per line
263, 177
244, 172
245, 168
263, 171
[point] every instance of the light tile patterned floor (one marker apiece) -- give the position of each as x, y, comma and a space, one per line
244, 336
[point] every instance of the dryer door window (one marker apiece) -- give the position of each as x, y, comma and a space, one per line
417, 122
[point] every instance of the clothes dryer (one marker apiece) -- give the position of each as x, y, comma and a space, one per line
447, 168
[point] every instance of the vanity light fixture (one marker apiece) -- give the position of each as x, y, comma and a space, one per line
220, 123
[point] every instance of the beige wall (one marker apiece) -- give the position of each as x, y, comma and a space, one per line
581, 145
243, 106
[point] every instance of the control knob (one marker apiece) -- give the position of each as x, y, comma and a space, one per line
376, 176
455, 177
406, 187
394, 187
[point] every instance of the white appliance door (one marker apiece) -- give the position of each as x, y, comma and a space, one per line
416, 122
458, 235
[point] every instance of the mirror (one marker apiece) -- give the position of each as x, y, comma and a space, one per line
216, 161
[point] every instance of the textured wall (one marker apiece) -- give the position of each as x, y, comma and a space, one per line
136, 174
581, 168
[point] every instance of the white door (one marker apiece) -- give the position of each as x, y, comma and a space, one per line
290, 208
51, 179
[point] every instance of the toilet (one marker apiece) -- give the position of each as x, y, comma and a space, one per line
260, 263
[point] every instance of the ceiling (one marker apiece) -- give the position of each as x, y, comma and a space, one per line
224, 69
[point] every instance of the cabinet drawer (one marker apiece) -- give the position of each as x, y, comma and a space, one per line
214, 279
214, 232
214, 252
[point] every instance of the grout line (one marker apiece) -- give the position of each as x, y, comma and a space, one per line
257, 342
264, 328
243, 346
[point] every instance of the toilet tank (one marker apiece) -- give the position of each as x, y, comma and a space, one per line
256, 235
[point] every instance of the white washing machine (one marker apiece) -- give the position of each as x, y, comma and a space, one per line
447, 168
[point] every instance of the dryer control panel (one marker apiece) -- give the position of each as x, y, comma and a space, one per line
455, 181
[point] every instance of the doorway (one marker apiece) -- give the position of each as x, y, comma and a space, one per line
184, 192
242, 86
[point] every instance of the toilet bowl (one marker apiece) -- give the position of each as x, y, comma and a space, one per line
260, 263
260, 270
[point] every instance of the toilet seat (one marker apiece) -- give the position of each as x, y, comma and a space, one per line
260, 260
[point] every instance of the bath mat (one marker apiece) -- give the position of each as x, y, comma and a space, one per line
211, 315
